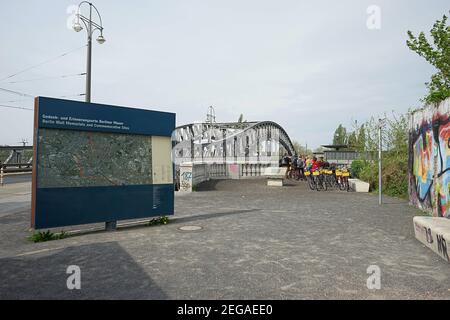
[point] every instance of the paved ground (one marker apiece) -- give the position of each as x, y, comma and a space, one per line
257, 242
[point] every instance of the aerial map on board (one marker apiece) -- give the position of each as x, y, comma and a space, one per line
69, 158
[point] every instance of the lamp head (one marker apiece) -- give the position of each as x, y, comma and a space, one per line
101, 39
77, 26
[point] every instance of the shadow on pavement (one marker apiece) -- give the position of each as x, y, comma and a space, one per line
210, 185
107, 272
211, 215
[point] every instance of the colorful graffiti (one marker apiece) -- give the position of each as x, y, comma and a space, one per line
429, 159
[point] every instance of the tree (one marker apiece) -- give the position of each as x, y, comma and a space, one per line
438, 55
352, 140
299, 149
340, 135
241, 118
319, 149
361, 144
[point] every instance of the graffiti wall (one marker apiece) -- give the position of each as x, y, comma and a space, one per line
429, 159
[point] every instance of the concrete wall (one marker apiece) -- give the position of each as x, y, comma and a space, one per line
191, 175
429, 159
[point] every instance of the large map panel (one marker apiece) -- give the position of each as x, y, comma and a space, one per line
99, 163
69, 158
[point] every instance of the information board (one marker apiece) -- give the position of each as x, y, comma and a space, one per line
98, 163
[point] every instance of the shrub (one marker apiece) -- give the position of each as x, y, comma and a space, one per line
394, 174
42, 236
158, 221
356, 167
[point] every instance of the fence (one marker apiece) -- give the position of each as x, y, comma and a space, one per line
8, 168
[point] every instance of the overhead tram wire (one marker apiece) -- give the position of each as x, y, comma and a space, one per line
14, 107
22, 94
12, 101
64, 96
42, 63
51, 77
24, 108
16, 92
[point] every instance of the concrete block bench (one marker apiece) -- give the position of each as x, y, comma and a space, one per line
275, 176
434, 233
358, 185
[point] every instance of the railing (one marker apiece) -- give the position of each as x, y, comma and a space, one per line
249, 170
189, 175
217, 171
16, 167
8, 168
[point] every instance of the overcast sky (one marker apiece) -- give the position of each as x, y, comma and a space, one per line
303, 64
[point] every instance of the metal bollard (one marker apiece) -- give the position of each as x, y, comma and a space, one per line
1, 176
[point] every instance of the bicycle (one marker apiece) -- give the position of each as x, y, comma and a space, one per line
330, 179
310, 179
319, 180
342, 178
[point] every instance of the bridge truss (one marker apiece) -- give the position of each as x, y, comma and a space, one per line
235, 142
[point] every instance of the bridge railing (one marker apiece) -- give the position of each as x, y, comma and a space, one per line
188, 175
8, 168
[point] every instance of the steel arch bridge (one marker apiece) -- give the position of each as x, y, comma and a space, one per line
233, 142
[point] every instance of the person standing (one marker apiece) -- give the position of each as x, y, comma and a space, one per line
301, 168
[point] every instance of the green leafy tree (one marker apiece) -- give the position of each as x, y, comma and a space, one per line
438, 55
340, 135
352, 140
361, 140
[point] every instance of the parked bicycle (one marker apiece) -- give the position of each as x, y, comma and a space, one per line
342, 176
330, 178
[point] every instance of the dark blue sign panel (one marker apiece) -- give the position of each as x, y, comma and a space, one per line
98, 163
76, 115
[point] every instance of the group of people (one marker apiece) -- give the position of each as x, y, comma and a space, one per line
297, 165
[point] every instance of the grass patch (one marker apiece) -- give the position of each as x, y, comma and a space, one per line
423, 213
158, 221
42, 236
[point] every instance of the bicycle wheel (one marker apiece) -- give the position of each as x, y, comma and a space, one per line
341, 182
329, 181
324, 183
317, 183
347, 184
335, 182
311, 182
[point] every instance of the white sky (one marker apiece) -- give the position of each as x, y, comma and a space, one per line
303, 64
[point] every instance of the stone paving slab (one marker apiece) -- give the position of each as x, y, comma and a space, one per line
434, 232
255, 242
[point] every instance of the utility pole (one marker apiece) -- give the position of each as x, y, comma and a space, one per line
89, 57
380, 145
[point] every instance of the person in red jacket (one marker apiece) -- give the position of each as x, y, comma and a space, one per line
317, 164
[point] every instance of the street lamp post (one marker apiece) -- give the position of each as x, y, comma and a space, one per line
91, 27
380, 147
